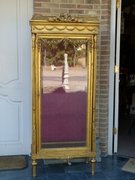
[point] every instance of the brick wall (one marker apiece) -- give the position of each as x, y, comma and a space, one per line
100, 8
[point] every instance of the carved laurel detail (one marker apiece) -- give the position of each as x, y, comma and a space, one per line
75, 42
39, 44
90, 44
50, 42
65, 18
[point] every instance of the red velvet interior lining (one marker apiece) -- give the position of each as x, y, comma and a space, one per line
63, 116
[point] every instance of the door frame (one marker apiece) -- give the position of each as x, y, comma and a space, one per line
113, 93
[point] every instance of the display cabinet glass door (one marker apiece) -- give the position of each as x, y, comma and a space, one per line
63, 94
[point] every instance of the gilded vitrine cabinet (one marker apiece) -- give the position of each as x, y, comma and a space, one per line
63, 88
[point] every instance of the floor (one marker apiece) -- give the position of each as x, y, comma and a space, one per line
108, 169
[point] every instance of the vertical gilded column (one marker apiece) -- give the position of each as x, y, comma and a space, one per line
33, 108
89, 91
38, 92
93, 160
89, 94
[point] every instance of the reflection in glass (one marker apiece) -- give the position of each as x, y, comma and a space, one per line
63, 99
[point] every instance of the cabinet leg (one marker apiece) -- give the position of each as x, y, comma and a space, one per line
34, 163
93, 161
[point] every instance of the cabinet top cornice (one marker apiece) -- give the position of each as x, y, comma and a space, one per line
64, 23
62, 18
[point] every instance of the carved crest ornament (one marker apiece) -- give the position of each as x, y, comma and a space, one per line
65, 18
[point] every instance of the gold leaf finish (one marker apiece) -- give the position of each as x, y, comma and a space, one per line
60, 27
80, 28
92, 29
70, 28
49, 28
71, 31
39, 27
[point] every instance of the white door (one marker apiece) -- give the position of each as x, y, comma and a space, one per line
15, 77
117, 65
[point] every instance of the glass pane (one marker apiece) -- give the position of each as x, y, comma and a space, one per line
63, 99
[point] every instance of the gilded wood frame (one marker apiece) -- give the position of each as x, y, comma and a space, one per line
68, 27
